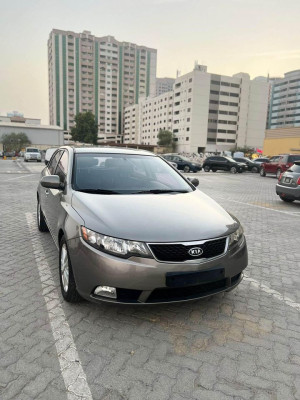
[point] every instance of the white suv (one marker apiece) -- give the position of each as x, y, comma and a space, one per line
32, 153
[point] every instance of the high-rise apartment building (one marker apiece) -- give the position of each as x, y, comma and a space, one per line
208, 112
97, 74
164, 85
284, 107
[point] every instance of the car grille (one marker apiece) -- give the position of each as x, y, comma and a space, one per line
178, 252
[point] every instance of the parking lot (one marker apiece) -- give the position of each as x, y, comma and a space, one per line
239, 345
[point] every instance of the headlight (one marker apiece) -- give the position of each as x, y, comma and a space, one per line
236, 236
115, 246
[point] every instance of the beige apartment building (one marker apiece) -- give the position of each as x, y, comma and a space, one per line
97, 74
207, 112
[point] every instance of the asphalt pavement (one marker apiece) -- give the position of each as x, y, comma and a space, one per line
240, 345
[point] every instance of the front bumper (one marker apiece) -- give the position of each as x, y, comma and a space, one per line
288, 191
144, 280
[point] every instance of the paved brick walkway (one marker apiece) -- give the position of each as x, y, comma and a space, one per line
241, 345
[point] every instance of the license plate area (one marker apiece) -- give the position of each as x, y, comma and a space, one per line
287, 180
181, 279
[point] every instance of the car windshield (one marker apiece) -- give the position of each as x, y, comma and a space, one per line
32, 150
295, 168
125, 174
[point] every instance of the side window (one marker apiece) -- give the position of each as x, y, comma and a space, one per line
53, 162
62, 166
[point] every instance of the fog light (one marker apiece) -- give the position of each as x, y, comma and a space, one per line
106, 291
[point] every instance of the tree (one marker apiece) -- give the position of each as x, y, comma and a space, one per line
165, 138
85, 129
246, 150
15, 141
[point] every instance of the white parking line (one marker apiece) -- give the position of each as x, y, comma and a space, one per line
272, 292
70, 366
292, 213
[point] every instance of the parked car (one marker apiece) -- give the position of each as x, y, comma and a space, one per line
22, 153
260, 160
32, 154
220, 163
49, 153
288, 186
252, 166
183, 163
278, 164
123, 234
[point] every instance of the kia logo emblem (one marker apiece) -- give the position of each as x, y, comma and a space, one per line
195, 251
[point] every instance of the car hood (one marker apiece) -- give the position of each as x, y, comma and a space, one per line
154, 217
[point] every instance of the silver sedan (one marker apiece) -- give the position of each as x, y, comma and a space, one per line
131, 229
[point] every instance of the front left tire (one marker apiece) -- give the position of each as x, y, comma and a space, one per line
41, 219
66, 276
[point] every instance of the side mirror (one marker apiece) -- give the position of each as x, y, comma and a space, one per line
194, 181
52, 182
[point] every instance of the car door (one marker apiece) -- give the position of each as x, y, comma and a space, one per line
178, 161
44, 192
56, 197
271, 166
223, 164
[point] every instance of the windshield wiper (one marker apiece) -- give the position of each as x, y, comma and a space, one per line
159, 191
98, 191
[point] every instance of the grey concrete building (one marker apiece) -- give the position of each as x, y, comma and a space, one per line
41, 136
97, 74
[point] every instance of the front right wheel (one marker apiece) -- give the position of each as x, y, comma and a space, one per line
67, 281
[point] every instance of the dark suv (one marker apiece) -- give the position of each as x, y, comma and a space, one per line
252, 166
183, 163
220, 163
278, 164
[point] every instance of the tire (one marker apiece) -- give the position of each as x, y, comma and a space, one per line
254, 170
186, 168
206, 168
214, 170
233, 170
39, 160
26, 160
286, 200
66, 277
262, 172
41, 222
278, 173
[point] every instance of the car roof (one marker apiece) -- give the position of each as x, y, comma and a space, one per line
109, 150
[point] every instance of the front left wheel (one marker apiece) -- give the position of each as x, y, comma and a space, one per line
66, 277
41, 219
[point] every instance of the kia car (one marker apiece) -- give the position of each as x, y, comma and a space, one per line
288, 186
131, 229
278, 164
223, 163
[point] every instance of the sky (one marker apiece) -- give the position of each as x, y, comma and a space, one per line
259, 37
